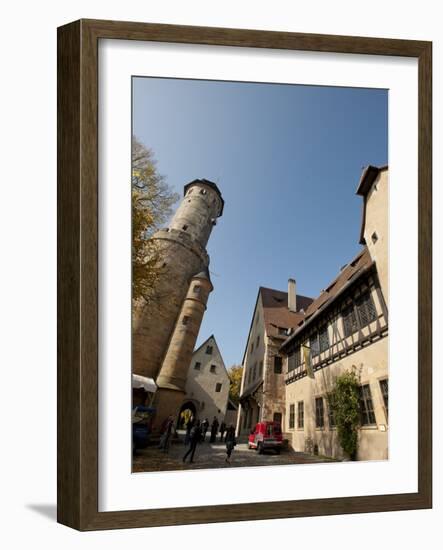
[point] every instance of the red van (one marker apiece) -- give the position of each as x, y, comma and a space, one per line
266, 435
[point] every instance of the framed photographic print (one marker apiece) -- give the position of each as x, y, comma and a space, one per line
244, 275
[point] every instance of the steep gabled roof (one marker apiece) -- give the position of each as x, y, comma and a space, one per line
276, 313
214, 341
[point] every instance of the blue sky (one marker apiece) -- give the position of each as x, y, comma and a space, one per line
287, 160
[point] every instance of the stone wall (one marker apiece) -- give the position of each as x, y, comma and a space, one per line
182, 255
153, 323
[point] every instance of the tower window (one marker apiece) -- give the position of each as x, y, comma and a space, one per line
197, 289
185, 227
374, 237
185, 320
278, 363
218, 387
203, 191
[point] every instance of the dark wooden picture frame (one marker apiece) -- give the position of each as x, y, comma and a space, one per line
77, 173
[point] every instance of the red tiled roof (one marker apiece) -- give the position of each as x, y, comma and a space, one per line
276, 313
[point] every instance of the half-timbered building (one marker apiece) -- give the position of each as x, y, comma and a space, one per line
345, 329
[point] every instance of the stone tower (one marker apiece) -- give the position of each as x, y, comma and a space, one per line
171, 380
182, 248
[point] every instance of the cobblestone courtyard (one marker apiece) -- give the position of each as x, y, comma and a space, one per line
213, 455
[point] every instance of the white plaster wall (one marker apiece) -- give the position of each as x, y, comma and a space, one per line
371, 366
377, 220
200, 384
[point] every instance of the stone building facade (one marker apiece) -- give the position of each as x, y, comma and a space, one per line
262, 392
207, 383
165, 331
345, 329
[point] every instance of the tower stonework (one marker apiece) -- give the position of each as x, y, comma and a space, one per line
182, 251
171, 380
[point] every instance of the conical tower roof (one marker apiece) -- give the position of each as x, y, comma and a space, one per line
210, 184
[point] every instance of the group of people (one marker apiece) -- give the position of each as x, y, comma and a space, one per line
196, 433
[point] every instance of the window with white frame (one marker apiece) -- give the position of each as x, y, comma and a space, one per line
367, 414
319, 413
300, 415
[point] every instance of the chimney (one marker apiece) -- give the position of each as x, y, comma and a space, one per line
292, 295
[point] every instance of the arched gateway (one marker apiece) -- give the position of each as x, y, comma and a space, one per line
186, 410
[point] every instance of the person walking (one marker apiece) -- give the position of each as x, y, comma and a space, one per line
214, 430
166, 437
222, 430
204, 428
189, 425
194, 439
231, 442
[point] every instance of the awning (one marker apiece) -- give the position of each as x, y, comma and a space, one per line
144, 382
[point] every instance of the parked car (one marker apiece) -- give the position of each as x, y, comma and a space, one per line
266, 435
141, 426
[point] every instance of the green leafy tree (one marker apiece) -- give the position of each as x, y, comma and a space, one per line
345, 404
235, 376
152, 199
